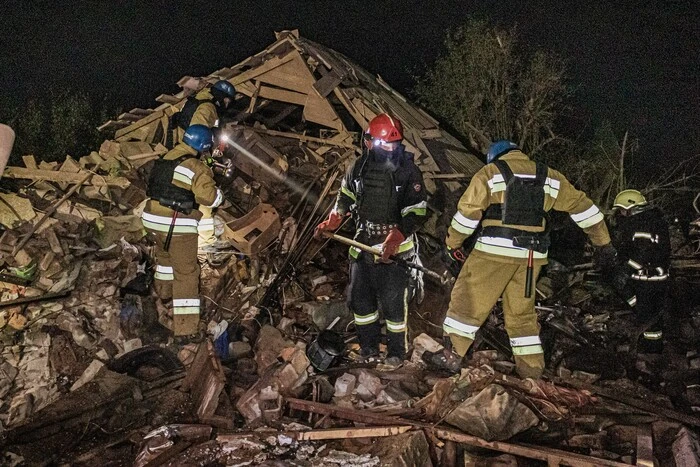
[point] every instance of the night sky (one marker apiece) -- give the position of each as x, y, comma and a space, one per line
636, 63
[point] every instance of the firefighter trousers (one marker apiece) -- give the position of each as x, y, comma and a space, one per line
177, 277
479, 285
651, 300
374, 285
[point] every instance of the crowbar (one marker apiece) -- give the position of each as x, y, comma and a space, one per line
444, 279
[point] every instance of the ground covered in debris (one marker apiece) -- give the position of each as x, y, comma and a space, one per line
89, 374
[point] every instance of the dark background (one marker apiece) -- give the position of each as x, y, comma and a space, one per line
635, 63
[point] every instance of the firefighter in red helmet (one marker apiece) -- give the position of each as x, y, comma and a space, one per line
384, 191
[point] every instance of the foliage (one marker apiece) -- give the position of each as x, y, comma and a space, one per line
57, 125
487, 89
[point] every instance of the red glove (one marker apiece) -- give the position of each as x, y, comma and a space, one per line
332, 223
391, 243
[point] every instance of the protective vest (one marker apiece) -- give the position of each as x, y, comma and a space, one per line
183, 118
643, 242
376, 193
523, 204
160, 186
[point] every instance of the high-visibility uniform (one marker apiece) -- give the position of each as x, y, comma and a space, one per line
199, 110
177, 270
497, 267
384, 194
643, 244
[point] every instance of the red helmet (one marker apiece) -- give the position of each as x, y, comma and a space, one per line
386, 128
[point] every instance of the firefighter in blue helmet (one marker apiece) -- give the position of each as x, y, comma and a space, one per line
506, 204
206, 108
641, 277
179, 183
385, 190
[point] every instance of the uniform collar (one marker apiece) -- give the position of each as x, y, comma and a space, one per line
514, 155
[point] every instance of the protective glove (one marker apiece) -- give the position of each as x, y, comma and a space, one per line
391, 243
605, 257
329, 225
454, 259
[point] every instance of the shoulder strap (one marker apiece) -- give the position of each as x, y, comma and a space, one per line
541, 173
504, 169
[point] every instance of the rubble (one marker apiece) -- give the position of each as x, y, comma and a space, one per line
89, 375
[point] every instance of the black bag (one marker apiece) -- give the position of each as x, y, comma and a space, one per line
523, 203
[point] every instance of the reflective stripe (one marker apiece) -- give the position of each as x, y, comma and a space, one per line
162, 223
205, 225
528, 350
186, 306
632, 301
523, 341
419, 209
346, 191
634, 264
219, 198
551, 187
183, 174
164, 273
653, 335
452, 326
644, 277
504, 247
527, 345
362, 320
395, 326
646, 236
355, 252
463, 224
589, 217
660, 270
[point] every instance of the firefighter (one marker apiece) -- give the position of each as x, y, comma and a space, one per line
385, 192
179, 183
507, 201
206, 108
642, 239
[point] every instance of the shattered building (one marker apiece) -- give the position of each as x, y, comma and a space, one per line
87, 376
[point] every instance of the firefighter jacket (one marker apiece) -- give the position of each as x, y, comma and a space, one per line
643, 244
384, 193
487, 188
193, 175
199, 110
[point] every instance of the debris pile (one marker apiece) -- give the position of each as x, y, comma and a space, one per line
89, 374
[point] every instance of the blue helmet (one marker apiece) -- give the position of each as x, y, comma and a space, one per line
225, 87
198, 137
499, 148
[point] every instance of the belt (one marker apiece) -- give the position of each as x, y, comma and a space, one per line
538, 241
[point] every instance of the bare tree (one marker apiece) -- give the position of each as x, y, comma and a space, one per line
488, 90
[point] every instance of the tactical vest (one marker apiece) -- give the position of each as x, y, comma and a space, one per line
375, 189
523, 204
161, 187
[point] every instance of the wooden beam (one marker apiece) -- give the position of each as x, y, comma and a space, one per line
549, 455
332, 433
645, 446
268, 65
284, 134
65, 177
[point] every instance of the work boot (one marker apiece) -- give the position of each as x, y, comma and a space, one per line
369, 356
443, 360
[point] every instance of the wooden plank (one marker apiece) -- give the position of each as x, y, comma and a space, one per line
268, 65
549, 455
346, 433
284, 134
282, 95
70, 178
317, 109
29, 162
205, 379
293, 75
54, 243
645, 446
552, 456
